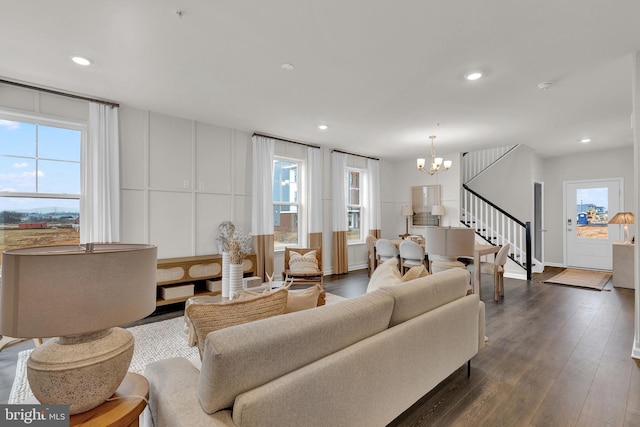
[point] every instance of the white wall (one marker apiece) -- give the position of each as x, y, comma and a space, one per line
580, 166
396, 192
160, 153
179, 180
508, 183
17, 99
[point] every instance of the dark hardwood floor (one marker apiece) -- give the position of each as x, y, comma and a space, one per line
556, 356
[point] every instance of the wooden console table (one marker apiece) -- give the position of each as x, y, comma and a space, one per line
195, 270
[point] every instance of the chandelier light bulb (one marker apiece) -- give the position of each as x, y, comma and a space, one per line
448, 164
421, 163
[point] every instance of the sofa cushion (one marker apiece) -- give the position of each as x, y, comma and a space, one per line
414, 273
426, 293
297, 300
385, 274
243, 357
209, 317
308, 298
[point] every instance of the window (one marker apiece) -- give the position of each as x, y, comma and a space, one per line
354, 206
39, 182
286, 204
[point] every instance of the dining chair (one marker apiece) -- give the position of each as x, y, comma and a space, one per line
411, 255
385, 250
370, 241
446, 244
497, 269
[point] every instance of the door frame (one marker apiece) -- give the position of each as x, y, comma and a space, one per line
539, 268
565, 247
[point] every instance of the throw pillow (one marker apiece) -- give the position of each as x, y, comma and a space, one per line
415, 272
386, 274
207, 318
303, 264
298, 301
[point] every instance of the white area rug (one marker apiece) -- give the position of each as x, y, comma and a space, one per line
153, 341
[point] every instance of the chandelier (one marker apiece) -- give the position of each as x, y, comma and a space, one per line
436, 162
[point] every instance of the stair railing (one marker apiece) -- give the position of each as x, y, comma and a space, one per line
497, 226
475, 162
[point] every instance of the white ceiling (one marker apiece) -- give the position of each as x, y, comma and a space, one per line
380, 74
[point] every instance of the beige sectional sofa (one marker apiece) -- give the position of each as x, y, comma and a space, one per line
357, 362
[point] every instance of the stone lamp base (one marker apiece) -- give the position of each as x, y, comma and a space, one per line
81, 371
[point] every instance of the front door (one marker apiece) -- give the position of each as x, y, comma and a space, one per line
588, 207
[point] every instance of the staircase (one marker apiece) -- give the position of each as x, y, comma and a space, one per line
492, 223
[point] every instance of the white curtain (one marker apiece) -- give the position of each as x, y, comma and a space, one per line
261, 204
339, 193
262, 189
373, 193
100, 177
314, 163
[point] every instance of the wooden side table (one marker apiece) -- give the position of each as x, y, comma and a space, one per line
123, 412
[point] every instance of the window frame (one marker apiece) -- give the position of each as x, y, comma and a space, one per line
298, 203
48, 121
361, 206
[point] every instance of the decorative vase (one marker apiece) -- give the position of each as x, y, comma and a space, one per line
235, 278
226, 262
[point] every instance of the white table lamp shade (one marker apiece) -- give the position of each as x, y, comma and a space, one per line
437, 210
406, 211
64, 290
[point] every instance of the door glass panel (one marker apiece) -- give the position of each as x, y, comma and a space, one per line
592, 209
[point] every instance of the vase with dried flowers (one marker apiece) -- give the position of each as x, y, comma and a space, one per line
236, 261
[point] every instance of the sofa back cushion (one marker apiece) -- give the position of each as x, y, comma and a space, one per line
420, 295
240, 358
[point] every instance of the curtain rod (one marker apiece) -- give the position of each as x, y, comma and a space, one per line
55, 92
286, 140
353, 154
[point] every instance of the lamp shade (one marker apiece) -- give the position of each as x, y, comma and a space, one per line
66, 290
406, 211
622, 218
437, 210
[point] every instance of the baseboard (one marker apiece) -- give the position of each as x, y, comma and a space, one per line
351, 268
512, 275
358, 267
554, 264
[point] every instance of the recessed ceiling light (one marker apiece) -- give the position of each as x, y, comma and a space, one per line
287, 67
475, 75
323, 127
585, 140
545, 85
81, 60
